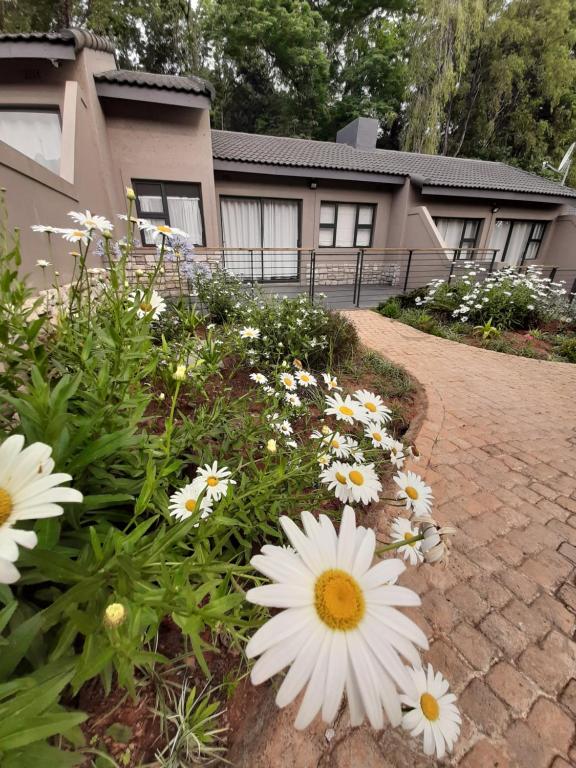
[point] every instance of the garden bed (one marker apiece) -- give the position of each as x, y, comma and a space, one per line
517, 312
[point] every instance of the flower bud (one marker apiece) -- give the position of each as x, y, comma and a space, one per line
180, 373
114, 615
326, 430
298, 364
161, 396
271, 446
435, 545
130, 194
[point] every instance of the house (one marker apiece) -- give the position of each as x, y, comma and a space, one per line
75, 131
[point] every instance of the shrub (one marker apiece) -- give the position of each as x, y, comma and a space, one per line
390, 308
566, 348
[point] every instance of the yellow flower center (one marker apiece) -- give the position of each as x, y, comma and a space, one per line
304, 378
356, 477
407, 537
78, 233
411, 492
346, 411
212, 481
145, 306
429, 706
371, 407
377, 436
338, 600
341, 478
5, 506
164, 229
288, 381
190, 505
335, 443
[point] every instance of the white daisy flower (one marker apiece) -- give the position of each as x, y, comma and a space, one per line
44, 229
160, 230
340, 630
396, 449
288, 381
184, 503
248, 332
345, 409
415, 492
215, 480
364, 483
306, 379
268, 390
324, 459
88, 221
374, 404
376, 435
293, 399
75, 235
285, 427
434, 712
402, 530
42, 263
330, 381
259, 378
335, 476
414, 453
338, 444
28, 491
152, 305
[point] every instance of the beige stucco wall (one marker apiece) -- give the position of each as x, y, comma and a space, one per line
162, 143
299, 189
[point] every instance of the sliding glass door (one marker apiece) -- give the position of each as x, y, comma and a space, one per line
266, 233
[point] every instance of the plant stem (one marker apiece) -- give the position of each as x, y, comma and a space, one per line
397, 544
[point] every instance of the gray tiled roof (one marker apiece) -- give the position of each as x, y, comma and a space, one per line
79, 38
188, 84
436, 170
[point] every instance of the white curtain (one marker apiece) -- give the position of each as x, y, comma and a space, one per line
450, 231
517, 242
327, 216
184, 213
242, 228
280, 230
346, 226
499, 236
35, 134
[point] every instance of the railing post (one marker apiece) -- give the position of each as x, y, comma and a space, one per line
252, 266
572, 292
410, 252
553, 274
312, 274
452, 267
494, 254
355, 291
359, 266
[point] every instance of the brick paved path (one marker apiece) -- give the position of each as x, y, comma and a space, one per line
499, 449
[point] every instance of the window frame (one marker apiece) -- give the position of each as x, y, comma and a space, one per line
533, 224
463, 238
164, 215
357, 227
53, 109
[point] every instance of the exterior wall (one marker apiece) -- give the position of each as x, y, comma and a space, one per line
162, 144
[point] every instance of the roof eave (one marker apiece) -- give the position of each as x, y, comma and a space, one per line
129, 92
336, 174
28, 49
494, 194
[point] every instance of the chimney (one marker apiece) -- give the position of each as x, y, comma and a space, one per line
360, 133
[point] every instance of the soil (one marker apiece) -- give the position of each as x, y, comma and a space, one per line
145, 736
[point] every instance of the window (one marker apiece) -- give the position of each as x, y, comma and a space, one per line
346, 225
517, 240
271, 225
35, 133
177, 205
458, 233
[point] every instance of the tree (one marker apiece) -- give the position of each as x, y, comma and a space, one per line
442, 36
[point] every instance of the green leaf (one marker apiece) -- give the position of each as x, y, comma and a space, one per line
19, 642
42, 756
40, 728
120, 732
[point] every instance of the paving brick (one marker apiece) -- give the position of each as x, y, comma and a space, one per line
510, 640
559, 762
548, 569
568, 551
475, 648
491, 590
568, 697
553, 725
439, 611
567, 503
468, 602
520, 585
567, 532
555, 612
486, 754
514, 688
486, 560
526, 747
531, 622
551, 674
445, 659
567, 594
480, 704
505, 550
